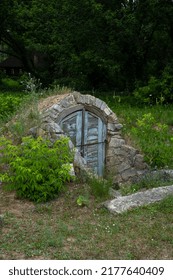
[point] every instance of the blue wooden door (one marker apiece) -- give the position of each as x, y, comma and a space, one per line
88, 133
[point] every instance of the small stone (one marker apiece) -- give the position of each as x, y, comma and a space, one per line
67, 102
139, 162
112, 118
114, 126
53, 114
80, 99
103, 106
55, 128
115, 142
129, 173
111, 126
33, 131
107, 111
123, 166
99, 103
57, 108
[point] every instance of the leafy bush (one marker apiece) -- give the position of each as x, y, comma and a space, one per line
157, 91
37, 169
9, 104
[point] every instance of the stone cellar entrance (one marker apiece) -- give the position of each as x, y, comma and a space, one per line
95, 132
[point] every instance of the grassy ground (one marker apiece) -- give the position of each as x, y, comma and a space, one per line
61, 229
148, 128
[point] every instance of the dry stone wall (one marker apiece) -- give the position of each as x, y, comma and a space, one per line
122, 161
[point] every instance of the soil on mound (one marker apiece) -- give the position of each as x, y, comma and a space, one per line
50, 101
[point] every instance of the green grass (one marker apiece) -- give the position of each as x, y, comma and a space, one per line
148, 128
10, 85
11, 96
148, 182
63, 230
9, 104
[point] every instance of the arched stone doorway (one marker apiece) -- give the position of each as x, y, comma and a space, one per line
95, 131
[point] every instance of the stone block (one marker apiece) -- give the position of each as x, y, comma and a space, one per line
86, 99
45, 114
52, 114
117, 152
110, 159
128, 174
111, 126
76, 95
107, 111
103, 106
98, 103
114, 126
124, 166
116, 142
41, 132
33, 131
57, 108
112, 118
89, 99
67, 102
80, 99
129, 151
113, 133
139, 162
79, 161
55, 128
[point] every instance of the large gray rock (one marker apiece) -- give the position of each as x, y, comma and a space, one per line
124, 203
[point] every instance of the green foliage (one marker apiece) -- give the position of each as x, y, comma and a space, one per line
9, 104
38, 169
157, 91
155, 141
8, 84
148, 128
149, 181
88, 43
82, 200
99, 187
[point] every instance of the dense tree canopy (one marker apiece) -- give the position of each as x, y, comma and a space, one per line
108, 44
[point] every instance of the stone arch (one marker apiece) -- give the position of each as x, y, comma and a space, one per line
123, 161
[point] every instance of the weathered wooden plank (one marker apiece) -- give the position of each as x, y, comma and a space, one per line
79, 129
72, 126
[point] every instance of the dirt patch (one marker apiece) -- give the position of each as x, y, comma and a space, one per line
9, 203
50, 101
